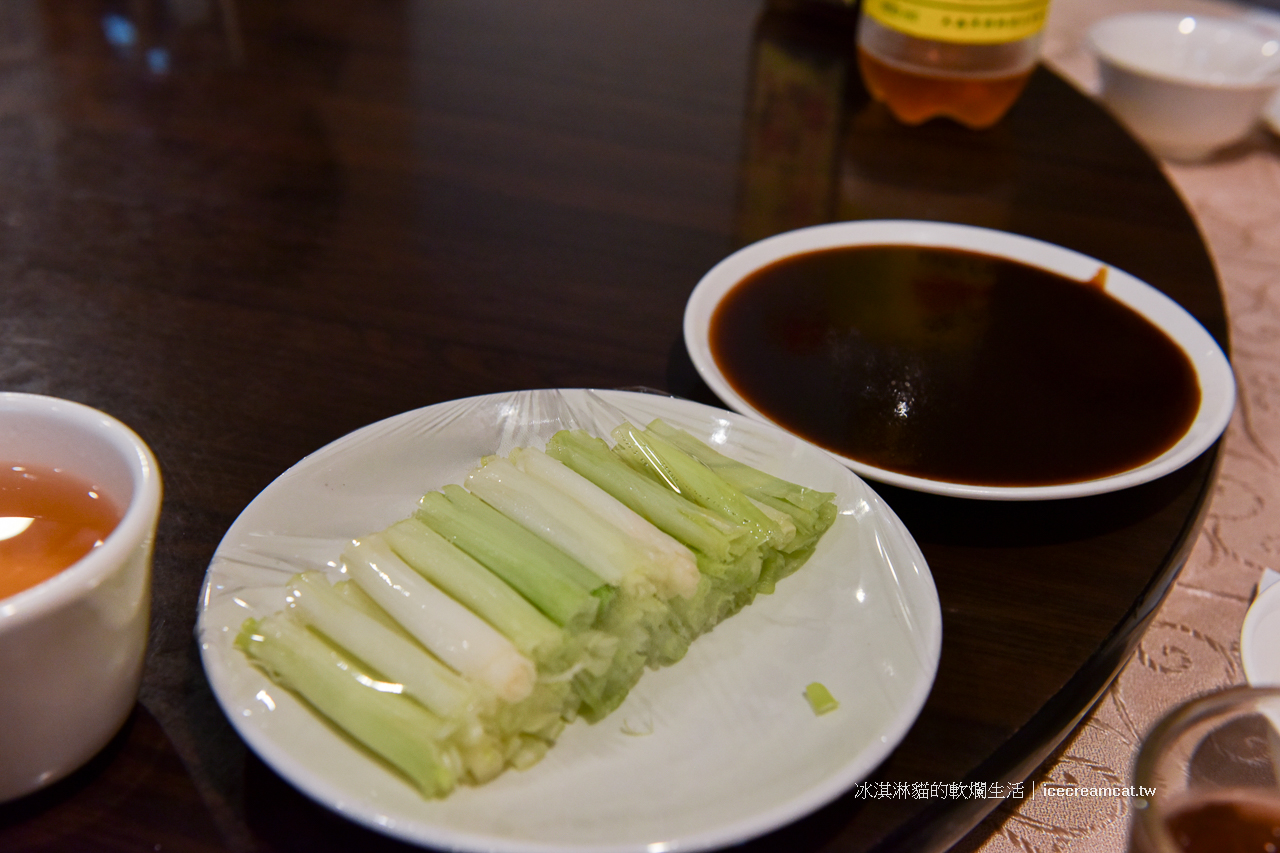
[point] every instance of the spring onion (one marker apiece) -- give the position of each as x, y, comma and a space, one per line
464, 638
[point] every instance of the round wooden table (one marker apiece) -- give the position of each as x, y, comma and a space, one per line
248, 229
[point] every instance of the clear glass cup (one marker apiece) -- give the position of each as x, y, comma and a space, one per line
1207, 778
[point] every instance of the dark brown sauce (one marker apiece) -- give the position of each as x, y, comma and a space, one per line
1226, 826
954, 366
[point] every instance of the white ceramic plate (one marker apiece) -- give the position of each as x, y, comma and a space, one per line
728, 748
1271, 115
1260, 635
1217, 384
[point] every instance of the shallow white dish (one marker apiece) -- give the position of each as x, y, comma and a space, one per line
1260, 635
728, 747
1217, 384
1271, 115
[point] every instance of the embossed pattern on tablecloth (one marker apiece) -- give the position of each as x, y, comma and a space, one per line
1193, 645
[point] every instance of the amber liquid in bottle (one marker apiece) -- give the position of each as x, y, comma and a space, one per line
915, 97
919, 79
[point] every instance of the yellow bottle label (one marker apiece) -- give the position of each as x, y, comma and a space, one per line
963, 21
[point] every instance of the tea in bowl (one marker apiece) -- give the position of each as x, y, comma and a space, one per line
79, 502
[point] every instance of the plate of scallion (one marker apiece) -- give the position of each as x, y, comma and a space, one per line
570, 620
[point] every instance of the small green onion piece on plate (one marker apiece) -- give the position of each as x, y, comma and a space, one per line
820, 698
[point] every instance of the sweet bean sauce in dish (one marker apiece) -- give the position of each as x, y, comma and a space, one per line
954, 366
49, 519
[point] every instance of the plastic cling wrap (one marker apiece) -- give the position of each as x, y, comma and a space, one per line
715, 749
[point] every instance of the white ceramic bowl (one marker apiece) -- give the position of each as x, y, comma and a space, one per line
1187, 85
71, 647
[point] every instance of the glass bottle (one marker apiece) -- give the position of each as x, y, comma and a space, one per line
964, 59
